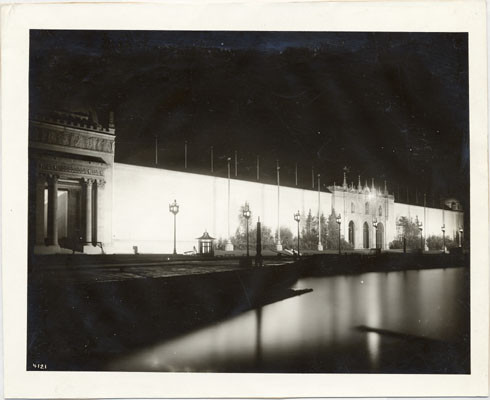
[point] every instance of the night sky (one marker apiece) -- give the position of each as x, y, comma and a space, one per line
388, 106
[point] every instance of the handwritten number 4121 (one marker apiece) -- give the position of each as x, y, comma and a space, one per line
39, 366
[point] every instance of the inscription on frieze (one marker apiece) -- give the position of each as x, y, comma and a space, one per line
73, 169
79, 140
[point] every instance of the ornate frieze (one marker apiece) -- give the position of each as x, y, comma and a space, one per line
86, 140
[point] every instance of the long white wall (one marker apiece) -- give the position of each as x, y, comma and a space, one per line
141, 217
142, 196
432, 219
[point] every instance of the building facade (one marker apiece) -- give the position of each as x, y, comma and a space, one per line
81, 200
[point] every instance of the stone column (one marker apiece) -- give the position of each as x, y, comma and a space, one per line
88, 210
40, 186
53, 211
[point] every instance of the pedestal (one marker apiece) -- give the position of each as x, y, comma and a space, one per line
320, 247
228, 246
278, 247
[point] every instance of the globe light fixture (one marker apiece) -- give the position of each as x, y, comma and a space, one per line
375, 224
297, 218
174, 209
443, 229
339, 220
246, 215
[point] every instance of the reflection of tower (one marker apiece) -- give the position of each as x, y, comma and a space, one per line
373, 319
258, 337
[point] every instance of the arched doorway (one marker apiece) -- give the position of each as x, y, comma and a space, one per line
351, 234
380, 234
365, 235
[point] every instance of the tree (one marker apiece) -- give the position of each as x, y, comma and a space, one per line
408, 231
309, 234
287, 239
239, 240
332, 234
435, 242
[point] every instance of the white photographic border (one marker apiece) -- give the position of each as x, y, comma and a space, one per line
381, 16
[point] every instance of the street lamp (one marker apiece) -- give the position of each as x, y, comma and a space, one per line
246, 215
375, 224
297, 218
419, 224
443, 229
174, 209
460, 236
339, 219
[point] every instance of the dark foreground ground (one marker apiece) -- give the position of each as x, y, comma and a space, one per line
86, 311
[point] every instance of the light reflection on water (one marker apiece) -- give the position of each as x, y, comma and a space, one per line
316, 325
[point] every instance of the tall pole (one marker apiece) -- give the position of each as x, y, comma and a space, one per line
174, 209
320, 246
258, 168
296, 174
278, 244
175, 233
212, 159
298, 237
236, 163
312, 178
185, 154
248, 253
339, 236
425, 217
156, 150
421, 239
443, 231
228, 198
443, 240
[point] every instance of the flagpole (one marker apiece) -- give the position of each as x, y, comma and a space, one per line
156, 150
236, 163
185, 154
258, 168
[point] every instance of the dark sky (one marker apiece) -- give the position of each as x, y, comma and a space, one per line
390, 106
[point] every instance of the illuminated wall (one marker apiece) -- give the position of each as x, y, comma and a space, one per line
141, 217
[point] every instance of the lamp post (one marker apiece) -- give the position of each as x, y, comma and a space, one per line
174, 209
339, 219
297, 218
460, 236
246, 215
443, 229
375, 224
419, 224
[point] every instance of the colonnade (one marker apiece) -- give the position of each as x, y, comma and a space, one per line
89, 201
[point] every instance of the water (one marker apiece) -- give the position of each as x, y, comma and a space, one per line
400, 322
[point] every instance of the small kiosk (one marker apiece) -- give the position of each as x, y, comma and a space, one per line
205, 243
